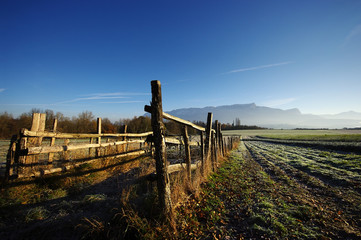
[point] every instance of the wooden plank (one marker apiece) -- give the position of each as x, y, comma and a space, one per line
28, 133
172, 140
60, 148
181, 167
182, 121
176, 119
68, 167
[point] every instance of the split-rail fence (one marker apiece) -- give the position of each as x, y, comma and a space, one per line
36, 152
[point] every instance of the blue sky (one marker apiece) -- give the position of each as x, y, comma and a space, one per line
100, 56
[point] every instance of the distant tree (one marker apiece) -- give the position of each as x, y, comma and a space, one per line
139, 125
238, 122
108, 126
85, 123
7, 125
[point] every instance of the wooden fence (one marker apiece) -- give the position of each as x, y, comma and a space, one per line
212, 143
37, 152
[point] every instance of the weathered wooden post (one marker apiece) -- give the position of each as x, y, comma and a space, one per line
66, 152
208, 148
99, 139
220, 137
52, 142
163, 183
188, 152
125, 147
37, 125
214, 150
216, 125
10, 158
202, 152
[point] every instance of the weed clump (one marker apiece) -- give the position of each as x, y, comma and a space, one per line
38, 213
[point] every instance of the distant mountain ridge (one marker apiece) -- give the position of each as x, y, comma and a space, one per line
251, 114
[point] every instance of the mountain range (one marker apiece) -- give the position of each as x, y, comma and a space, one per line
251, 114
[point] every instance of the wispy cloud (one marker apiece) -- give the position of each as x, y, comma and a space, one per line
102, 96
2, 89
278, 102
259, 67
353, 33
90, 98
122, 102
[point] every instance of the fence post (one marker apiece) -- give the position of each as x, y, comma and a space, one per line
99, 139
216, 136
208, 147
188, 152
66, 152
37, 125
214, 151
125, 146
10, 158
220, 138
163, 183
52, 142
202, 153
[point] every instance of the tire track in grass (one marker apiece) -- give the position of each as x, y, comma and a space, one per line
249, 200
317, 167
328, 199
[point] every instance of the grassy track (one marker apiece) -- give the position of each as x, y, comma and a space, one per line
274, 191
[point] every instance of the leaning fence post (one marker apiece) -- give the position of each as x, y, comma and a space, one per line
163, 183
188, 153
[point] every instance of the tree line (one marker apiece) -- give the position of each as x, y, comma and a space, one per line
86, 122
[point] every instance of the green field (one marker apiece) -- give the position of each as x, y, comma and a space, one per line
282, 184
290, 133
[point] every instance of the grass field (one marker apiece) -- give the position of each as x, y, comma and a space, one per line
273, 190
290, 133
4, 147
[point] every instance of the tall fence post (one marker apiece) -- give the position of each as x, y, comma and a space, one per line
188, 152
163, 183
208, 148
37, 125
